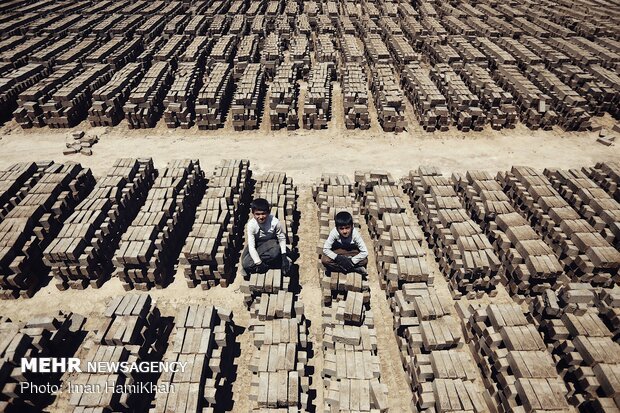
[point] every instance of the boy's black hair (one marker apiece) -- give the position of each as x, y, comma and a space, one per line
343, 219
260, 204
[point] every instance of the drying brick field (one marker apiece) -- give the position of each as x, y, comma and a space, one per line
473, 142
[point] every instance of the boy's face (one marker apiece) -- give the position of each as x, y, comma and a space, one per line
345, 230
260, 216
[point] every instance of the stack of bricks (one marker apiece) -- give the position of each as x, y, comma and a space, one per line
600, 96
351, 374
132, 331
100, 55
271, 54
527, 379
570, 107
574, 51
197, 50
80, 254
149, 248
30, 102
16, 81
607, 176
350, 50
16, 181
214, 97
125, 54
608, 58
430, 104
180, 101
175, 25
145, 103
396, 239
496, 55
283, 96
172, 49
468, 52
333, 194
388, 96
248, 98
247, 52
355, 96
317, 103
79, 52
325, 51
531, 265
376, 50
204, 339
69, 104
551, 56
441, 52
590, 200
467, 258
197, 25
223, 50
108, 100
497, 103
463, 104
402, 51
53, 335
583, 344
585, 254
212, 249
299, 49
611, 79
522, 54
238, 23
30, 226
531, 102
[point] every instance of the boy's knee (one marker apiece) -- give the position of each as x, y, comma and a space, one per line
325, 259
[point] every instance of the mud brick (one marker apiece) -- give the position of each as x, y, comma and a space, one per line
180, 100
388, 98
145, 103
317, 104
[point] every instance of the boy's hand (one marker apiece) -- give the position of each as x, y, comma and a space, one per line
262, 268
344, 262
286, 265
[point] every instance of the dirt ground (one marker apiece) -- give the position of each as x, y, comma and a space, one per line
304, 155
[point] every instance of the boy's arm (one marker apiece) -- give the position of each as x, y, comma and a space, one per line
281, 238
251, 231
327, 247
361, 246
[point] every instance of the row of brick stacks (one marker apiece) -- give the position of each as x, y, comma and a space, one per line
55, 334
431, 107
81, 253
150, 247
144, 106
466, 257
585, 254
31, 225
441, 375
607, 176
204, 338
351, 373
180, 100
108, 100
463, 104
132, 330
279, 328
15, 183
519, 374
213, 98
248, 99
18, 81
318, 99
531, 266
501, 111
211, 251
355, 96
283, 96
